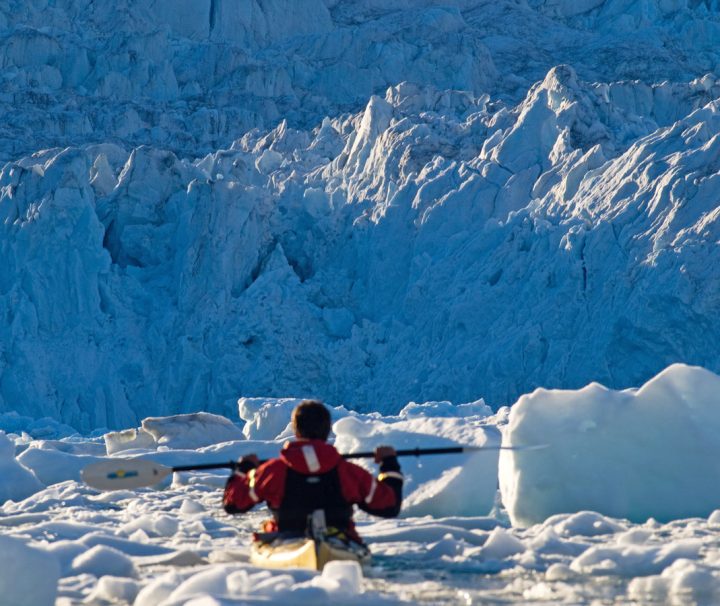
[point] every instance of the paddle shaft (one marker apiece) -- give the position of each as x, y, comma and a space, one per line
117, 474
411, 452
229, 465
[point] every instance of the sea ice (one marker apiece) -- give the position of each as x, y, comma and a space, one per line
18, 482
102, 560
463, 484
632, 454
129, 439
114, 590
189, 431
174, 545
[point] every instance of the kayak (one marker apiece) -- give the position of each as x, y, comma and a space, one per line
305, 552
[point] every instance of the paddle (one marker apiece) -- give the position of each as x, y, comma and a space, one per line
117, 474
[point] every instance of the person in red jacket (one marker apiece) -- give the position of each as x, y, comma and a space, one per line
311, 475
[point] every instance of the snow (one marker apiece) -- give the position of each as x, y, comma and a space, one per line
101, 560
114, 589
634, 454
341, 578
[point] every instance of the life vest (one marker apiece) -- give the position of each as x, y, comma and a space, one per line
305, 493
312, 481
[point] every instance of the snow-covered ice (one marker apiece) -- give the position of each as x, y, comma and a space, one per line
463, 484
188, 431
18, 481
458, 539
631, 454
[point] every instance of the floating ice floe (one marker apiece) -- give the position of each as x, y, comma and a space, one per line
635, 454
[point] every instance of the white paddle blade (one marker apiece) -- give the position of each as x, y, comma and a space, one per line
124, 474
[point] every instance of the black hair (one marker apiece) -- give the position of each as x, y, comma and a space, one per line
311, 420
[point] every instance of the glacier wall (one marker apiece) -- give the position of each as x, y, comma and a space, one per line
366, 202
192, 75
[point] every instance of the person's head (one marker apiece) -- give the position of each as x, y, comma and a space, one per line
311, 420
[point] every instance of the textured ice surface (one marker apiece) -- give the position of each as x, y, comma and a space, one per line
173, 545
366, 202
435, 485
193, 75
633, 454
18, 482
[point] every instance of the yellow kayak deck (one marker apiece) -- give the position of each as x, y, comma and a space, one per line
307, 553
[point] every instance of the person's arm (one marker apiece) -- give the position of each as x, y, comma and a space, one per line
240, 495
381, 496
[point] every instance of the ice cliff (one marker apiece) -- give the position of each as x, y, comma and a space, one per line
368, 202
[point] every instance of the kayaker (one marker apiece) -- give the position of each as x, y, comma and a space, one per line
310, 475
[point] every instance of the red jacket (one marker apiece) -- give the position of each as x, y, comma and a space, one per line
287, 483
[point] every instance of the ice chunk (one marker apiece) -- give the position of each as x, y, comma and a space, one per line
52, 466
158, 590
131, 548
18, 482
634, 560
129, 439
683, 582
447, 547
501, 544
190, 506
344, 578
559, 572
441, 485
154, 524
446, 409
269, 161
714, 518
265, 418
584, 523
229, 579
269, 418
102, 560
191, 431
45, 428
28, 576
114, 589
65, 552
629, 454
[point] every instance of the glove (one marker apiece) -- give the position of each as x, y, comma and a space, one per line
246, 463
383, 452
